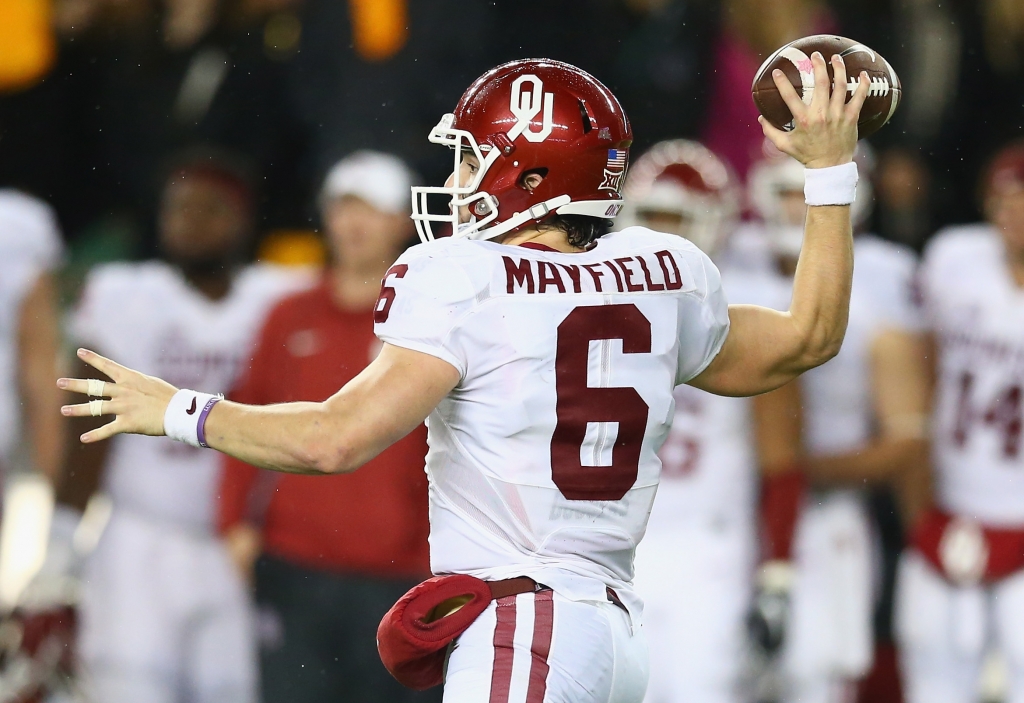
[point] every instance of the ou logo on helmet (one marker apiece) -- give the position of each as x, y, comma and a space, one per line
526, 103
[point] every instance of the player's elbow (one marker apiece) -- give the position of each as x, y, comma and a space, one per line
822, 347
808, 346
329, 450
329, 460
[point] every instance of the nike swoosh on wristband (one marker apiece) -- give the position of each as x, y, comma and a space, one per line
192, 410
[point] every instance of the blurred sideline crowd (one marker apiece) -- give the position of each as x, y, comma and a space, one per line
212, 190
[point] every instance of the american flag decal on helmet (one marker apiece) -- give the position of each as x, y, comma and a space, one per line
616, 159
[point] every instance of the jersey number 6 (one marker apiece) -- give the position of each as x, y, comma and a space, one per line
387, 294
578, 404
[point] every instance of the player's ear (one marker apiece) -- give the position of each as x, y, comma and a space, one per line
531, 179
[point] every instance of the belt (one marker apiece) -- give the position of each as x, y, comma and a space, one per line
525, 584
513, 587
966, 552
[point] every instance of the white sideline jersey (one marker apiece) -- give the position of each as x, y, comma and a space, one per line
976, 311
543, 460
30, 245
838, 409
149, 318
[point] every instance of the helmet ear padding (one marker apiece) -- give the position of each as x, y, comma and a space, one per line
541, 172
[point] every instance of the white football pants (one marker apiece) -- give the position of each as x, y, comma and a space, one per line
695, 581
543, 648
164, 618
944, 633
829, 639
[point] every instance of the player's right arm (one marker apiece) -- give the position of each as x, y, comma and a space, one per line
423, 298
387, 401
766, 349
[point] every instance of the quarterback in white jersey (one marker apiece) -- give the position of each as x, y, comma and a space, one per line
164, 616
695, 564
854, 421
542, 352
961, 590
30, 248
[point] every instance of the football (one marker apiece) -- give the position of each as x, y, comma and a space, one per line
794, 59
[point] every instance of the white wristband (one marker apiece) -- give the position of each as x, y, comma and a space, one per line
835, 185
186, 414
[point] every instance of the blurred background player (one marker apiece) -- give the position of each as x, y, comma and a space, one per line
694, 566
30, 249
961, 590
164, 616
337, 551
855, 422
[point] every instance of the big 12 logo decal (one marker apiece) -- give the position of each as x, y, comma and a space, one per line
526, 104
614, 170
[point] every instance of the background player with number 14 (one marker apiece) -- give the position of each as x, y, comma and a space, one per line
962, 588
542, 352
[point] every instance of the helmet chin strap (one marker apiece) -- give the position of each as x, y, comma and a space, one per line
519, 220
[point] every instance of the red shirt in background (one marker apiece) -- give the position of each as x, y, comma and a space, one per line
372, 522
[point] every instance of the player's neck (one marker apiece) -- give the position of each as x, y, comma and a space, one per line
213, 284
549, 237
356, 288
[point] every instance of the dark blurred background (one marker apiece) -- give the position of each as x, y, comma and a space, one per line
96, 94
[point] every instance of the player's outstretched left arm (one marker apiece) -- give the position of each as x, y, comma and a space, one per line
766, 349
385, 402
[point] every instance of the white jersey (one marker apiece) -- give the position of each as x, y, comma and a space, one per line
149, 318
709, 468
977, 313
543, 460
838, 408
30, 245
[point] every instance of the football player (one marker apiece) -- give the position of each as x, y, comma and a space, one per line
543, 353
30, 248
961, 589
164, 615
694, 566
855, 421
34, 657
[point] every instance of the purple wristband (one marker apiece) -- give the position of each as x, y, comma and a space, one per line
201, 423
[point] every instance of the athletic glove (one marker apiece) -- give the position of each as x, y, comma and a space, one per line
769, 611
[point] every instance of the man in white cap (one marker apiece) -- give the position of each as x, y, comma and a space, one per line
334, 554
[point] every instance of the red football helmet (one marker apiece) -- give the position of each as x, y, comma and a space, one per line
1005, 171
530, 116
688, 183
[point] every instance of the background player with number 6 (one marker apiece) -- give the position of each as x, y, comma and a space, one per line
543, 353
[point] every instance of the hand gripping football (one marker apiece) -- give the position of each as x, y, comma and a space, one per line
794, 59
